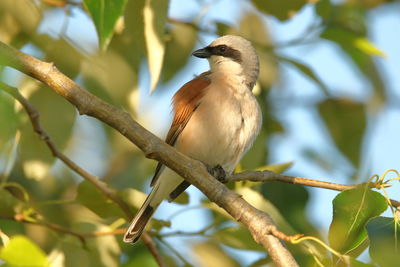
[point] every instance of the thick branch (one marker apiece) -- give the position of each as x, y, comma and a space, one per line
259, 223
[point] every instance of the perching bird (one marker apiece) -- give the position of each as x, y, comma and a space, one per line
216, 119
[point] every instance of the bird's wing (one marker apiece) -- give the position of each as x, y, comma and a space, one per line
185, 102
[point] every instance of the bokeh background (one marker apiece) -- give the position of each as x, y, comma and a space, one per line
328, 88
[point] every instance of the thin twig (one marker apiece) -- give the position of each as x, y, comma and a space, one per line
81, 236
177, 254
33, 115
269, 176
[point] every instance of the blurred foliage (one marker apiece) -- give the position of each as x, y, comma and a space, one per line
136, 38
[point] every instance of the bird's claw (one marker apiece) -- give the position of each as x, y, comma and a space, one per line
218, 172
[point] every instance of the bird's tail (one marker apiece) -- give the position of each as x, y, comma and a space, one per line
142, 217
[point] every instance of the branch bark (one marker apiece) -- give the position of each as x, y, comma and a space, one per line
259, 223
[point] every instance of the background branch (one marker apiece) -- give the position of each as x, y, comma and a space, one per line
259, 223
33, 115
58, 228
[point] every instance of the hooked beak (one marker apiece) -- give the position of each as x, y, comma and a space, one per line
202, 53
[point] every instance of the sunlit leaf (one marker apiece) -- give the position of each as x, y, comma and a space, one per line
367, 47
96, 201
346, 122
282, 10
155, 16
384, 241
351, 211
349, 39
105, 14
20, 251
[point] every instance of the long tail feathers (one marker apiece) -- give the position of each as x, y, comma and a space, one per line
161, 190
141, 219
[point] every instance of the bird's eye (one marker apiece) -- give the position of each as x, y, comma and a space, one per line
222, 48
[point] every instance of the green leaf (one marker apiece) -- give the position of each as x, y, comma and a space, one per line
96, 201
258, 201
307, 71
349, 39
237, 237
105, 14
8, 202
293, 209
360, 51
101, 251
56, 117
179, 47
356, 263
9, 121
346, 122
155, 17
211, 254
384, 241
20, 251
351, 211
281, 9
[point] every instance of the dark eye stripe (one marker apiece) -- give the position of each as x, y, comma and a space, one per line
226, 51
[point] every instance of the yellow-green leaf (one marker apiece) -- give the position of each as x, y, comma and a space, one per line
155, 15
367, 47
22, 252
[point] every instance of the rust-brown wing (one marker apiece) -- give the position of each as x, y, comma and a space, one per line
185, 102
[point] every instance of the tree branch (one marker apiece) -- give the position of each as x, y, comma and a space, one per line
58, 228
33, 115
269, 176
259, 223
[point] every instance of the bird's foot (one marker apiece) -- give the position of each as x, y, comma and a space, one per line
218, 172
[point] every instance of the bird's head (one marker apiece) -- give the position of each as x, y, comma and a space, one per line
231, 54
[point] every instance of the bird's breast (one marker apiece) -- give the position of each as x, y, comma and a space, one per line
222, 128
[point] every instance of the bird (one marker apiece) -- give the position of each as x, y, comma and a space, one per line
216, 119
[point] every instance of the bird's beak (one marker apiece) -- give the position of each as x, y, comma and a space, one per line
202, 53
